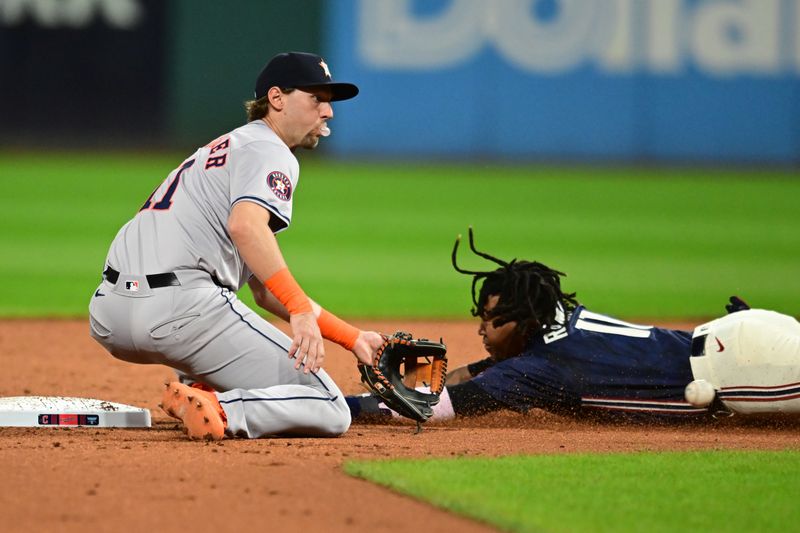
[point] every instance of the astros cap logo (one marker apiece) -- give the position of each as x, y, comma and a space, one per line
324, 66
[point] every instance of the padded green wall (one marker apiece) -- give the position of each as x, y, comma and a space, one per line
216, 52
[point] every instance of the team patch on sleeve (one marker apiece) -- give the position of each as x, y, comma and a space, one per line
280, 185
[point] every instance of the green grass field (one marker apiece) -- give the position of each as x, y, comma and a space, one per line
653, 492
374, 240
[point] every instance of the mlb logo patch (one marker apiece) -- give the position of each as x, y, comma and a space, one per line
132, 286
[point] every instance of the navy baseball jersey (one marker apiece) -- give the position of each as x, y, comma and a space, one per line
596, 362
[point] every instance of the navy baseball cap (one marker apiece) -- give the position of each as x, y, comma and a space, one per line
298, 70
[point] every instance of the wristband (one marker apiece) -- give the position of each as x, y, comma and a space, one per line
283, 285
337, 330
479, 366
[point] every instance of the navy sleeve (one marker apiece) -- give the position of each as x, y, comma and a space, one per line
479, 366
526, 382
470, 400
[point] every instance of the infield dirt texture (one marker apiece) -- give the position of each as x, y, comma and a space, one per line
82, 479
369, 242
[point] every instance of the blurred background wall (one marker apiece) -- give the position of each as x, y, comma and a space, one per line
138, 73
639, 80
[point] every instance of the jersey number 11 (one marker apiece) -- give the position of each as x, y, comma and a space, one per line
166, 202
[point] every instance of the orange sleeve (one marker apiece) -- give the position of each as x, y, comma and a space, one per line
337, 330
283, 285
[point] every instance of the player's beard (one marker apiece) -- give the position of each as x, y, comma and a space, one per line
309, 142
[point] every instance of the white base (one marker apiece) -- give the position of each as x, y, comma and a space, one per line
59, 411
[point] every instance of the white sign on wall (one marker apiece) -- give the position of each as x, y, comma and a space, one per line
664, 37
120, 14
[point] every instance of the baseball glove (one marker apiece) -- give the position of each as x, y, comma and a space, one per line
424, 363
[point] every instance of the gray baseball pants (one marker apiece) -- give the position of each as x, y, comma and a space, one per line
206, 334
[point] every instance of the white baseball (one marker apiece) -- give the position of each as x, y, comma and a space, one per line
700, 393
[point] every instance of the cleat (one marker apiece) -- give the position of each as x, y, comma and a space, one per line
206, 421
202, 386
173, 401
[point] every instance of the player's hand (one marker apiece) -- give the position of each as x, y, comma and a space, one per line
366, 345
307, 347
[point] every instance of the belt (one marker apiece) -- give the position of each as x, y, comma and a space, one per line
156, 281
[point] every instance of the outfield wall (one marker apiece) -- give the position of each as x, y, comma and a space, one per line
127, 73
621, 79
637, 80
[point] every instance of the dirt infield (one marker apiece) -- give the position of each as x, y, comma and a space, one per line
84, 479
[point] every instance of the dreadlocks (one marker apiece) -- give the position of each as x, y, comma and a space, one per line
529, 292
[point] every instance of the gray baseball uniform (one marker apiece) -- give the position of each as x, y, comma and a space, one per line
168, 293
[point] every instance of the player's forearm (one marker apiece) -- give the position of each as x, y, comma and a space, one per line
468, 399
458, 375
467, 372
332, 328
248, 227
266, 300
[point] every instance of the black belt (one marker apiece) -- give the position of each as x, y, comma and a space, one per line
156, 281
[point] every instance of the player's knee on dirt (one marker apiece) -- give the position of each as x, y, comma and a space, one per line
339, 421
340, 428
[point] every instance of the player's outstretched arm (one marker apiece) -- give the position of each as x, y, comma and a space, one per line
365, 345
467, 372
248, 226
458, 375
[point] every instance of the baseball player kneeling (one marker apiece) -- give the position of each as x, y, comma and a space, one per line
168, 294
548, 351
